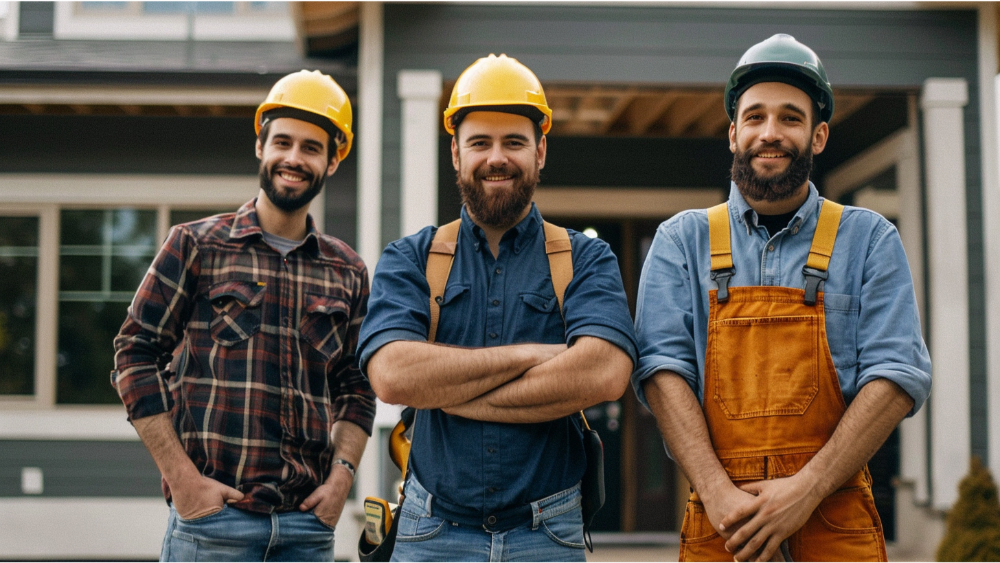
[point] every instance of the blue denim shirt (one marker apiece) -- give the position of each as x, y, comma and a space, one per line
478, 470
872, 323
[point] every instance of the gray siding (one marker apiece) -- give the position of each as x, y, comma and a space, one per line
80, 468
894, 49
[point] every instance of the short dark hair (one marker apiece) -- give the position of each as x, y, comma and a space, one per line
336, 138
459, 116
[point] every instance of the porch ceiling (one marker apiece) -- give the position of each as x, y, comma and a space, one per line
651, 111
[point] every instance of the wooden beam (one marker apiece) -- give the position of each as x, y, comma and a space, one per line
687, 110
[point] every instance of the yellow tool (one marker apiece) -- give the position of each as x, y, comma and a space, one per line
378, 519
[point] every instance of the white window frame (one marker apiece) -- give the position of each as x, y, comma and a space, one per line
44, 196
243, 24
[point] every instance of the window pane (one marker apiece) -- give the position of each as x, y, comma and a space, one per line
179, 216
214, 7
102, 6
81, 227
86, 352
99, 273
164, 6
18, 293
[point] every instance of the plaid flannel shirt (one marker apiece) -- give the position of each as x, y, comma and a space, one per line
253, 354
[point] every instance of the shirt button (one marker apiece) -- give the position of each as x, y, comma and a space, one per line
499, 270
491, 450
491, 520
496, 302
770, 248
795, 231
492, 489
493, 335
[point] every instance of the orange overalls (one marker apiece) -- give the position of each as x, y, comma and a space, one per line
772, 400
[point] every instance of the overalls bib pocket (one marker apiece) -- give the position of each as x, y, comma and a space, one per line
770, 366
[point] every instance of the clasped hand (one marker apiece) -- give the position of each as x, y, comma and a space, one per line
762, 514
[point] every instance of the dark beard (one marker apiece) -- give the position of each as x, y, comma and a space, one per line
504, 208
290, 202
776, 188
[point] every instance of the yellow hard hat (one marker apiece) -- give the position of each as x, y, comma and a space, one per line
498, 81
314, 93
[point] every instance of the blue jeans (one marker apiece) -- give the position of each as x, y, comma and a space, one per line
555, 533
240, 535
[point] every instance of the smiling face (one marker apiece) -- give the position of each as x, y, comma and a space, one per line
497, 163
773, 142
293, 163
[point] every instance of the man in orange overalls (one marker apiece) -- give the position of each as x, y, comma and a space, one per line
779, 338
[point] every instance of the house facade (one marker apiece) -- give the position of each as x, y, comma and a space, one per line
123, 118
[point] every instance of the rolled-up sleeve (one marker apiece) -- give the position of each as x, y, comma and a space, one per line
890, 345
595, 302
155, 323
399, 307
664, 316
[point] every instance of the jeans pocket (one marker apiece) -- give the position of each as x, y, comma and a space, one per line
566, 529
414, 528
322, 523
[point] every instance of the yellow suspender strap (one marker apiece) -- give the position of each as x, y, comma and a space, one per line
822, 249
718, 237
721, 249
439, 261
560, 254
826, 235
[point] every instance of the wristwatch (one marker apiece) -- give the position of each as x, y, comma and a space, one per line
345, 463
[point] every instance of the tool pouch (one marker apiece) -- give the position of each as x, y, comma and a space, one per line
592, 486
383, 551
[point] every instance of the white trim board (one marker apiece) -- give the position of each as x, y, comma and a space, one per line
639, 203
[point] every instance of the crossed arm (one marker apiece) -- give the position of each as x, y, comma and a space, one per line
757, 517
521, 383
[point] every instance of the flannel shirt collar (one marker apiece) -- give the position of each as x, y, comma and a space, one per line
246, 225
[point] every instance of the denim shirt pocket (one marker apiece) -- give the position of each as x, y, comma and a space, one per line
324, 322
538, 318
842, 314
236, 310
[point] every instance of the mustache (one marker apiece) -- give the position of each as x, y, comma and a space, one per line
776, 146
295, 169
497, 171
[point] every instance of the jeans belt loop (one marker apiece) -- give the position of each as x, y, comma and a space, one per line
536, 515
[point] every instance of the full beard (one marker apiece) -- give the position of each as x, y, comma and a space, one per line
502, 208
288, 201
775, 188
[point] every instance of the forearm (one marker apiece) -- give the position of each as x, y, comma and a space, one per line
682, 423
875, 412
349, 441
589, 372
158, 435
432, 376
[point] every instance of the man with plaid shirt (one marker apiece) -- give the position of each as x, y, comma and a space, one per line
236, 362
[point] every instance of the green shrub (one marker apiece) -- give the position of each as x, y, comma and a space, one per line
973, 524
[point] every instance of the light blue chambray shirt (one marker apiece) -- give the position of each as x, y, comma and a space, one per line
872, 323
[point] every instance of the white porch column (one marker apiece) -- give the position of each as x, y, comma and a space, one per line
368, 133
419, 91
942, 101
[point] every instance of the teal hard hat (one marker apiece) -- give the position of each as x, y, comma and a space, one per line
781, 58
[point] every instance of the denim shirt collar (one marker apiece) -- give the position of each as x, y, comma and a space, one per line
746, 216
522, 233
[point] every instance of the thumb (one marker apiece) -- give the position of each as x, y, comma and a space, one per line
231, 495
311, 501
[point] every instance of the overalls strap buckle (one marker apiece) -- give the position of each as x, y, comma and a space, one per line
721, 279
814, 283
